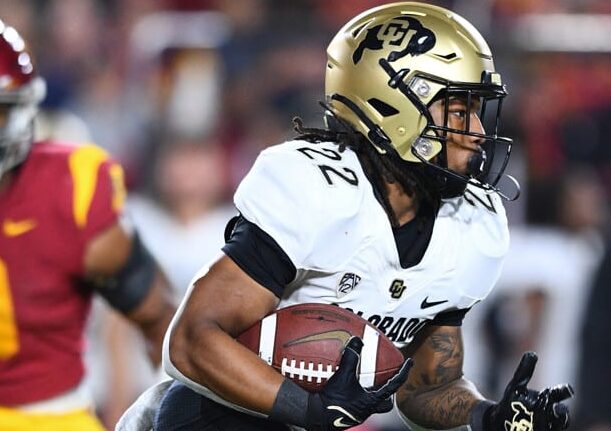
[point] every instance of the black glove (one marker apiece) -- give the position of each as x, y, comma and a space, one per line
343, 403
523, 409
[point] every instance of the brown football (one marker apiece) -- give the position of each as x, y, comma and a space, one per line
305, 342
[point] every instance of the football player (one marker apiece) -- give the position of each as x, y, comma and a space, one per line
61, 240
393, 211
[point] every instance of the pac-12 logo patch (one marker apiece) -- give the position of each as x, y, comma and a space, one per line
348, 282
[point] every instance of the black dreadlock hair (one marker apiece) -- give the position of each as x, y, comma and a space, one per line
379, 168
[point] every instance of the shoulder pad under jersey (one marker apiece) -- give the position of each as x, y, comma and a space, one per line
478, 218
310, 199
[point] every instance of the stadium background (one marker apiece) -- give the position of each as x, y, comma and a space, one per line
185, 93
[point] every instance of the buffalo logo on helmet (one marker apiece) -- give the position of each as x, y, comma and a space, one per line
395, 33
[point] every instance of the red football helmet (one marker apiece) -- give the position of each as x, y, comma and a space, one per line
21, 90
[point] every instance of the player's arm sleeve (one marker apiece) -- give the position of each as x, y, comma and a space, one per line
282, 213
257, 254
127, 288
98, 196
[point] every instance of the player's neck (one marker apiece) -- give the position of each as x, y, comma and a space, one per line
404, 206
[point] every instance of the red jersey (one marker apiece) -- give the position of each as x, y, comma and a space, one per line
60, 198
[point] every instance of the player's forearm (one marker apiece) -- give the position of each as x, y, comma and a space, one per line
153, 315
210, 357
153, 333
443, 407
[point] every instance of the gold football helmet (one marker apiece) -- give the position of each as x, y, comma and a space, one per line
388, 64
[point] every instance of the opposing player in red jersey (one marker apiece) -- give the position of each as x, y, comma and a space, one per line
61, 240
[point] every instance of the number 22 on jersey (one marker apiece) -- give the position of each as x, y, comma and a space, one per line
9, 341
330, 173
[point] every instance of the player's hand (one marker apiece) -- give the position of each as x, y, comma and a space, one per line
343, 402
526, 409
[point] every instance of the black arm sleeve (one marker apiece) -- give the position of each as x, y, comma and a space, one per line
128, 288
450, 318
257, 254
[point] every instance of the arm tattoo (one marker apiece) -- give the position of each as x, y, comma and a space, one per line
435, 394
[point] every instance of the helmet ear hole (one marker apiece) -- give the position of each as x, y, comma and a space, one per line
383, 108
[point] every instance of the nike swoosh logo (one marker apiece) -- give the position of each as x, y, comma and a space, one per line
427, 304
339, 335
339, 422
12, 228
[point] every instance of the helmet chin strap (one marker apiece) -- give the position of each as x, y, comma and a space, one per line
477, 163
508, 187
449, 187
452, 184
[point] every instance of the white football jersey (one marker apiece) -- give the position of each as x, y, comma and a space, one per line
320, 208
317, 204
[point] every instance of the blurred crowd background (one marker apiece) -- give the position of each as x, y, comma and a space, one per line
185, 93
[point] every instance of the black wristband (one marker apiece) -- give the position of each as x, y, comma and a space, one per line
315, 416
290, 405
479, 415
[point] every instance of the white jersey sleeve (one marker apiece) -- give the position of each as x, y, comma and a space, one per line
304, 195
